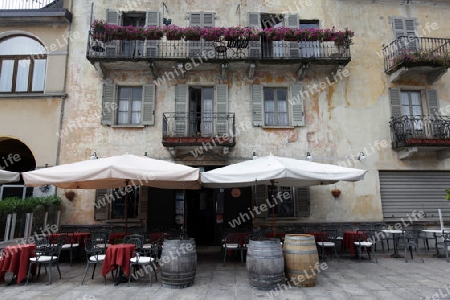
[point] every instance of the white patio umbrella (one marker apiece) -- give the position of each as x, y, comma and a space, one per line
116, 172
6, 176
280, 171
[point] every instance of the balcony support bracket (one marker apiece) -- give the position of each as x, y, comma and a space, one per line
407, 152
398, 74
100, 70
301, 72
153, 69
251, 70
224, 71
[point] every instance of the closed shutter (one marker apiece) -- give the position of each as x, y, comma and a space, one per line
433, 103
148, 105
404, 193
208, 19
302, 202
112, 48
112, 17
297, 110
101, 206
181, 109
221, 108
195, 19
405, 28
109, 104
257, 105
396, 107
260, 196
143, 202
152, 18
254, 47
293, 48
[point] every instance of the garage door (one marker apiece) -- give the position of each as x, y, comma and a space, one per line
402, 192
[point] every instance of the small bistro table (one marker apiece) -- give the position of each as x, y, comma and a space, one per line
15, 259
118, 256
394, 232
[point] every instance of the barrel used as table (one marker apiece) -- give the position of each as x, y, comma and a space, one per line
178, 262
265, 264
300, 258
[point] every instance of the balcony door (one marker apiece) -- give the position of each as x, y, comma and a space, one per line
411, 105
201, 111
310, 49
133, 48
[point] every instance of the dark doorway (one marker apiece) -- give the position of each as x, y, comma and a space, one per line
201, 216
161, 209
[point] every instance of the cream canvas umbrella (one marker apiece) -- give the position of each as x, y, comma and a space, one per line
280, 171
116, 172
6, 176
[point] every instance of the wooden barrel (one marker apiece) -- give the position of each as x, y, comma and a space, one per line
178, 262
265, 264
300, 258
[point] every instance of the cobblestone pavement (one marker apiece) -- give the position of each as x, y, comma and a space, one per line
390, 278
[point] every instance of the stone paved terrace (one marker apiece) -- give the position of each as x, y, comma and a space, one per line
390, 278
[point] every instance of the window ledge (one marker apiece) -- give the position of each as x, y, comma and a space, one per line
278, 127
127, 126
32, 95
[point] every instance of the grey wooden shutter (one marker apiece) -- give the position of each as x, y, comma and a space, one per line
293, 48
112, 48
221, 108
433, 103
148, 105
297, 111
181, 109
102, 206
112, 17
260, 195
108, 104
143, 202
152, 18
302, 202
195, 19
257, 105
396, 106
208, 19
406, 28
254, 47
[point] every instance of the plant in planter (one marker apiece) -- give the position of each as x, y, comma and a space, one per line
212, 33
153, 33
233, 33
192, 33
336, 192
173, 32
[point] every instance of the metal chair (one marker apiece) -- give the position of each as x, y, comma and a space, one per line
94, 255
327, 240
68, 243
233, 242
445, 242
47, 255
144, 257
361, 243
410, 239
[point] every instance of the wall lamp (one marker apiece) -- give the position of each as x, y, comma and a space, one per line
94, 155
361, 156
308, 156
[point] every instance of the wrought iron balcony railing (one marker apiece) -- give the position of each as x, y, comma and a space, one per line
184, 129
31, 4
101, 46
410, 51
420, 131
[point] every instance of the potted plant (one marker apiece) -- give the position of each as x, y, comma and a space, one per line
153, 33
336, 192
233, 33
212, 33
98, 28
192, 33
173, 32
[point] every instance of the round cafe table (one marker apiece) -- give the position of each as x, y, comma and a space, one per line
436, 233
394, 232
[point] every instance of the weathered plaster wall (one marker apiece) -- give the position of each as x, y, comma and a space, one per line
349, 116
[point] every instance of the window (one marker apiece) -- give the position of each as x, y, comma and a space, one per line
405, 33
128, 106
273, 107
411, 103
23, 64
118, 208
111, 203
286, 202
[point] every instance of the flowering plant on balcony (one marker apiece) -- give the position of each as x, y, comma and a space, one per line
340, 38
192, 33
173, 32
233, 33
153, 33
98, 25
420, 57
212, 33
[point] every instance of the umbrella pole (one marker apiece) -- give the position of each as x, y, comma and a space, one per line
273, 206
126, 208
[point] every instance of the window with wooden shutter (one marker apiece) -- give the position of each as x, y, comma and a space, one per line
109, 104
152, 18
202, 19
406, 28
112, 48
292, 47
221, 108
394, 96
254, 47
257, 105
148, 105
181, 109
143, 202
302, 202
260, 196
103, 199
297, 105
433, 103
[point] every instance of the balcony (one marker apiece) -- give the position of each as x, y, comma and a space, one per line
110, 54
421, 132
21, 12
416, 58
196, 129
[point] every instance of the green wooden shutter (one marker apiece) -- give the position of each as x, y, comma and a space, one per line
148, 105
257, 105
396, 106
181, 109
254, 47
221, 108
143, 202
208, 19
102, 205
433, 103
195, 19
302, 202
152, 18
109, 104
297, 111
260, 196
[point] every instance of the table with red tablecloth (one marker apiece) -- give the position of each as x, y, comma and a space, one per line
77, 237
15, 259
117, 236
118, 256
